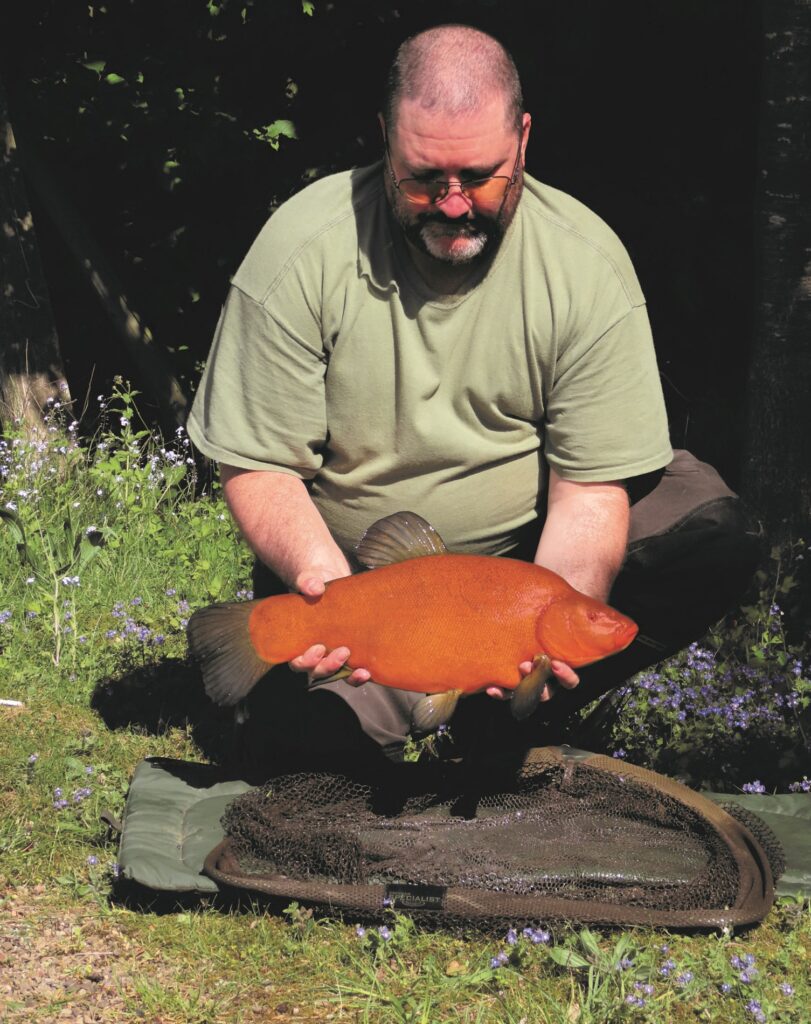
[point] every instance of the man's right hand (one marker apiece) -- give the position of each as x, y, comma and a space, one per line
317, 661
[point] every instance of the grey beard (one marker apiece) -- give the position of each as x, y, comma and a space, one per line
476, 243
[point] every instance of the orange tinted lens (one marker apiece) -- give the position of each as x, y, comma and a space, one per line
423, 192
485, 190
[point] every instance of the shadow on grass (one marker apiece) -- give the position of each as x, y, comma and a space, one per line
152, 699
140, 898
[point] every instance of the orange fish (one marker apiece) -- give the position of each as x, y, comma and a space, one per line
425, 620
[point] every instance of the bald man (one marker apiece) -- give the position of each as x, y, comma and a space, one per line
440, 332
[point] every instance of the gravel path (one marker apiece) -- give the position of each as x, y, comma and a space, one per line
60, 964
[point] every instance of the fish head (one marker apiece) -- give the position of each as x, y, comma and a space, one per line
578, 630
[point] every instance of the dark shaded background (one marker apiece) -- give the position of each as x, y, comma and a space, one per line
647, 110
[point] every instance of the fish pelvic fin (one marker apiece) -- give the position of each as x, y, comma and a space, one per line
527, 694
220, 642
433, 710
397, 538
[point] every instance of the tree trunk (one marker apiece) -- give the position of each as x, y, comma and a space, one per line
777, 464
30, 363
154, 373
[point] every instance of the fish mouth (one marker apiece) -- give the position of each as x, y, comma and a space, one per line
629, 634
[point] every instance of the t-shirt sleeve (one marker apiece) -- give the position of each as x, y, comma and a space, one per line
605, 417
261, 402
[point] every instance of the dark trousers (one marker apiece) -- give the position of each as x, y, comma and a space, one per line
691, 554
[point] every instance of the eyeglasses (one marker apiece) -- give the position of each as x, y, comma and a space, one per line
490, 190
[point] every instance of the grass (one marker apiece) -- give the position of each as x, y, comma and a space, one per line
103, 559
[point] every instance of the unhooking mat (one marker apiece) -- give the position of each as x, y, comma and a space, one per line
172, 822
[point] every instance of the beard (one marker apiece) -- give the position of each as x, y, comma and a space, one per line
460, 240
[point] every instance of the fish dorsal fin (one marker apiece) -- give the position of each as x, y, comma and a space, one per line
397, 538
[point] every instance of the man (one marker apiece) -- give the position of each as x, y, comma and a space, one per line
442, 333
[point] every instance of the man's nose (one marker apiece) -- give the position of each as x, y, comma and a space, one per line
456, 203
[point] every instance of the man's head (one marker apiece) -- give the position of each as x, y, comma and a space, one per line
453, 113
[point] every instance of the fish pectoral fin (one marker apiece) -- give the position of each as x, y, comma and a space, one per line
220, 641
433, 710
527, 694
397, 538
342, 673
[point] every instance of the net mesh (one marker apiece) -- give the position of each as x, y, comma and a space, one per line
564, 834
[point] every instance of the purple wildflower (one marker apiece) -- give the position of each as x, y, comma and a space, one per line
92, 860
787, 989
511, 937
499, 961
384, 933
667, 968
753, 787
33, 758
360, 931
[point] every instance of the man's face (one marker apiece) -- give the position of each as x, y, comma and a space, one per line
430, 145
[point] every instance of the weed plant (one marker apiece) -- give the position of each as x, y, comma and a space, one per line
735, 704
106, 545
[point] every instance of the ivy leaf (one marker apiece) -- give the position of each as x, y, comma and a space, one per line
114, 79
308, 7
271, 133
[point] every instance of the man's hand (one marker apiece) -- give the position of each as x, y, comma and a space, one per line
564, 676
317, 661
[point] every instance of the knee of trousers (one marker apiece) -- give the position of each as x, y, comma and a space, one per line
692, 552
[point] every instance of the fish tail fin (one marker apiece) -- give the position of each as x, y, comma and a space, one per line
220, 641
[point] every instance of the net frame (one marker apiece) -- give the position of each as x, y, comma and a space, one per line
754, 865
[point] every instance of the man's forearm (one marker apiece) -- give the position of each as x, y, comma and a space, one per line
585, 534
281, 524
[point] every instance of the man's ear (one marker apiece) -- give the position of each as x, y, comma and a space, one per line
525, 128
382, 124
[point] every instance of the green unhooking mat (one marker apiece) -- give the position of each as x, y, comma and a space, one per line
564, 835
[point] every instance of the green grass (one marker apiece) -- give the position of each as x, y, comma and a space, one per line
67, 946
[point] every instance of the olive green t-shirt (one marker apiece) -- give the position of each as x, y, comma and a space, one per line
334, 361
